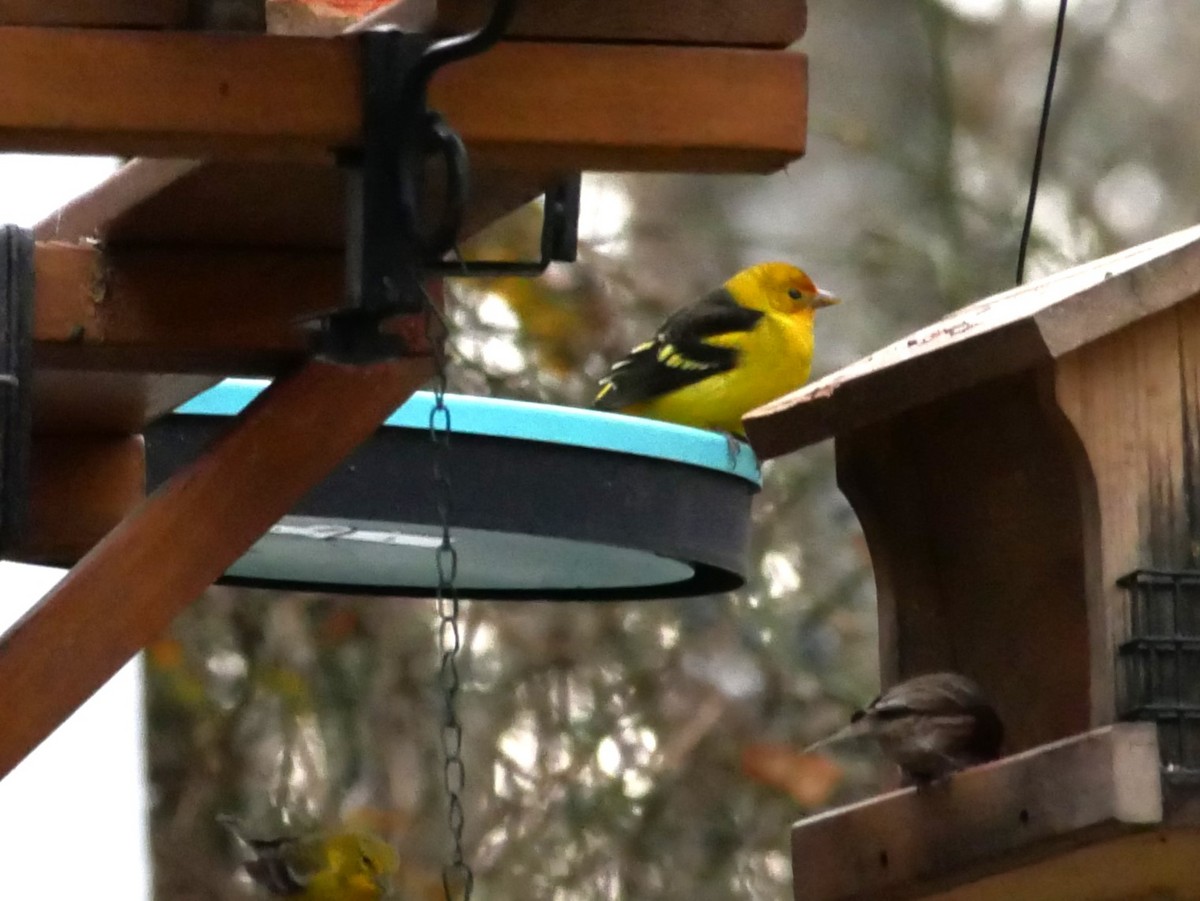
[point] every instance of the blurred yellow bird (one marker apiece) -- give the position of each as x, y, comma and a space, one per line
740, 346
341, 866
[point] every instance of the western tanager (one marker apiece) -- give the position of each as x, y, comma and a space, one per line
338, 866
930, 726
738, 347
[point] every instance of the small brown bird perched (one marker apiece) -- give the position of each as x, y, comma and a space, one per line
930, 726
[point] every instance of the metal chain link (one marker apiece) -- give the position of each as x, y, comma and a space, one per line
454, 774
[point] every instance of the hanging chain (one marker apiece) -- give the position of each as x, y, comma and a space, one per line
454, 774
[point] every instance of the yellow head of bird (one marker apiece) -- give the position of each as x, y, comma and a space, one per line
367, 860
781, 287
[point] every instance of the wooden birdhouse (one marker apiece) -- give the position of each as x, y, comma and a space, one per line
1025, 472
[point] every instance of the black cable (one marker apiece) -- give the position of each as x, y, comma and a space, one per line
1041, 140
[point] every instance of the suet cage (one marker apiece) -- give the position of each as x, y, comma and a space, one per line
1160, 664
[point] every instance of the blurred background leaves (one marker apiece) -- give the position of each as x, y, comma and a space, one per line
648, 751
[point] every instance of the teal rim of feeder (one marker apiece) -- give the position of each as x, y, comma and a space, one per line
548, 503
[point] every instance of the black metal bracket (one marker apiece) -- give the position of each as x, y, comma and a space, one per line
16, 408
392, 246
559, 244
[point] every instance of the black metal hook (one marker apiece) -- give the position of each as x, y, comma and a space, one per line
437, 139
461, 47
559, 240
433, 136
390, 245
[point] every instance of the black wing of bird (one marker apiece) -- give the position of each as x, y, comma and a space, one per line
271, 869
678, 355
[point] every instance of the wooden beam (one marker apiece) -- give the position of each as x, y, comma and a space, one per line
75, 400
163, 323
1158, 865
80, 487
169, 310
765, 23
608, 107
89, 215
521, 106
148, 569
913, 843
176, 93
95, 13
122, 336
762, 23
248, 204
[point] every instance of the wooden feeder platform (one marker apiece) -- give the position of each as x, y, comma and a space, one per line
1001, 830
203, 254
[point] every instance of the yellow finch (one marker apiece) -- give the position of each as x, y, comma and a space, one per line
930, 726
738, 347
341, 866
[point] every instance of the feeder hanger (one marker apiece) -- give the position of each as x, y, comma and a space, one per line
392, 246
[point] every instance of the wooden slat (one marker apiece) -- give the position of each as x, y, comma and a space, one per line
1000, 335
80, 487
911, 843
1157, 865
84, 400
767, 23
179, 311
522, 106
247, 204
176, 94
629, 108
157, 318
95, 13
89, 215
148, 569
736, 23
124, 335
1133, 402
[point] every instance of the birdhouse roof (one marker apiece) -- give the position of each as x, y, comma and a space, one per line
1003, 334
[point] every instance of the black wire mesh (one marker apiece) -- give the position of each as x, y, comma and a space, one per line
1159, 665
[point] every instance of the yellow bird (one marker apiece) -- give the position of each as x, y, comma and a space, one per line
341, 866
740, 346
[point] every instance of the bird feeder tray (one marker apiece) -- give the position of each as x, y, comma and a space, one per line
548, 503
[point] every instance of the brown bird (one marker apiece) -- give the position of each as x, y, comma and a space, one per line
930, 726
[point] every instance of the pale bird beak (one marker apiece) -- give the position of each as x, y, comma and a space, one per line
824, 299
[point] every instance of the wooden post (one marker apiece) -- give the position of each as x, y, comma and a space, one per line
148, 569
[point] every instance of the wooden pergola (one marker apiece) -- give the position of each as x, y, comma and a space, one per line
203, 254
